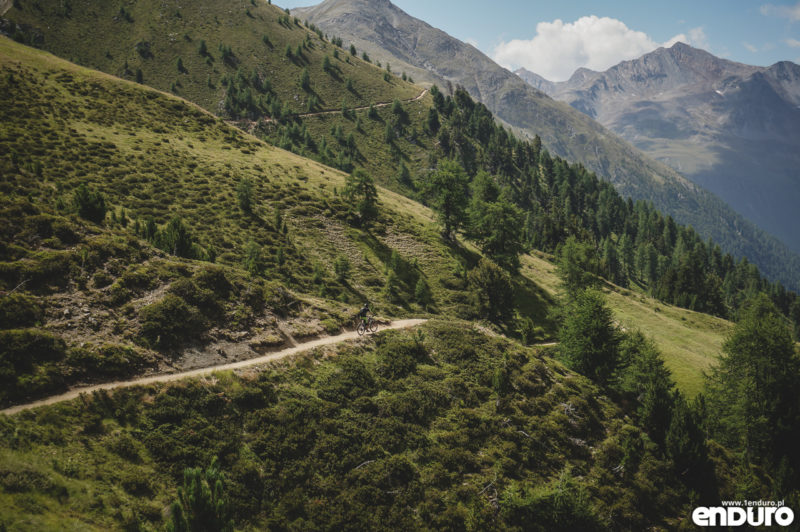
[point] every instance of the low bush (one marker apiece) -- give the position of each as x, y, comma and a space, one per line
19, 310
107, 360
170, 322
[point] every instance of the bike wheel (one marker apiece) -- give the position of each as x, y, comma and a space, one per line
373, 325
361, 329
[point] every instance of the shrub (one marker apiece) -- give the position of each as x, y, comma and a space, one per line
170, 321
27, 363
398, 357
91, 205
19, 310
107, 360
213, 278
201, 504
491, 290
352, 380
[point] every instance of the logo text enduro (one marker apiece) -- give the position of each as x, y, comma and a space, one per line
737, 513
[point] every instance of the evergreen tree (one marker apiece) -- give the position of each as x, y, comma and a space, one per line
422, 293
175, 238
587, 338
90, 204
432, 123
685, 443
752, 392
202, 505
361, 192
305, 80
575, 264
645, 380
491, 291
447, 189
244, 192
495, 227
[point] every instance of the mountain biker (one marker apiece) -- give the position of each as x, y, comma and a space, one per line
363, 313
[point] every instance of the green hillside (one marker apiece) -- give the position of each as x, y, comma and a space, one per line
404, 431
690, 341
142, 234
215, 42
247, 61
165, 166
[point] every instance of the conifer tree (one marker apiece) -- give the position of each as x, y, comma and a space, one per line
448, 189
752, 392
588, 339
361, 192
202, 504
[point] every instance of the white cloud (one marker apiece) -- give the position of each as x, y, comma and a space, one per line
750, 47
597, 43
790, 12
472, 41
794, 43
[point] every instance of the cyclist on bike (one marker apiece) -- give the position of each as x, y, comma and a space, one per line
363, 313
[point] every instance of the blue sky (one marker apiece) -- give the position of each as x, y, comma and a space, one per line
594, 33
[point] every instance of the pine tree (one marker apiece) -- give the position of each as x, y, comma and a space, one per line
575, 264
305, 80
646, 381
202, 504
361, 192
685, 442
447, 189
491, 291
244, 192
587, 338
752, 392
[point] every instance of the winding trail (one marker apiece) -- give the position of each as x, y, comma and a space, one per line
251, 124
168, 377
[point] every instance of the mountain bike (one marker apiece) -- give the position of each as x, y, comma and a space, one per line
368, 325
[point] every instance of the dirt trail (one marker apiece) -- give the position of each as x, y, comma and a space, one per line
328, 340
249, 125
361, 108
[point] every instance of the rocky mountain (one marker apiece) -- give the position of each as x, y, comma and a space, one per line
732, 128
389, 35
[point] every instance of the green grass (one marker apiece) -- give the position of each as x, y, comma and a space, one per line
155, 156
404, 430
690, 342
174, 30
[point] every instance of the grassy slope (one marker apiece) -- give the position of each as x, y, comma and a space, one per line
200, 163
689, 341
370, 438
154, 155
174, 30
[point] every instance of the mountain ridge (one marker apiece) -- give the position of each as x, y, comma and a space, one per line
732, 128
565, 131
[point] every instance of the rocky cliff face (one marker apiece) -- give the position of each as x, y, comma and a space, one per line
730, 127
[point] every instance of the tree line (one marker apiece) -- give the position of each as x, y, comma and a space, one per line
492, 184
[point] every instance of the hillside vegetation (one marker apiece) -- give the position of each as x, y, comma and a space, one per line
171, 176
253, 63
390, 34
232, 58
146, 235
411, 431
